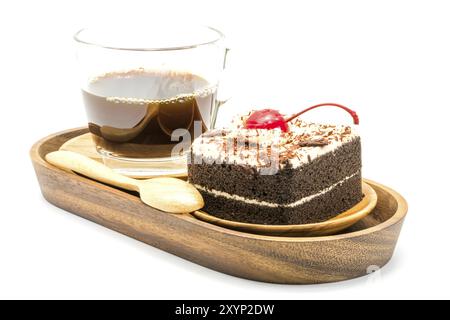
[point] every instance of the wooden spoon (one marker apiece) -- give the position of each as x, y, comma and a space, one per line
166, 194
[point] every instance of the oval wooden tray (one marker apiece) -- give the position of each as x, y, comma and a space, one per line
368, 243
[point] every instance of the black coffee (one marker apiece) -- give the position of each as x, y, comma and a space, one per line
134, 113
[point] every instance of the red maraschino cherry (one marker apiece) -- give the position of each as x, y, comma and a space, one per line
271, 119
266, 119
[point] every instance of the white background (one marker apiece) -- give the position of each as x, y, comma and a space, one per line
389, 60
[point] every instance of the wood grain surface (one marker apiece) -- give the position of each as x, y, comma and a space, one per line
82, 144
294, 260
164, 193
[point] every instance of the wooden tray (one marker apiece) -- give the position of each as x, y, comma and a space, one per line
306, 260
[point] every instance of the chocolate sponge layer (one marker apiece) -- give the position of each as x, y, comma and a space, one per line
289, 184
321, 208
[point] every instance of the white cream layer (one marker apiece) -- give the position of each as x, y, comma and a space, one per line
274, 204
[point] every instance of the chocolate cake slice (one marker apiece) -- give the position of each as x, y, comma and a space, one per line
309, 174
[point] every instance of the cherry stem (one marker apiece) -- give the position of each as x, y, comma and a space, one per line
351, 112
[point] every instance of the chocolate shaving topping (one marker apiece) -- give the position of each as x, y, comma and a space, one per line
313, 142
256, 145
216, 133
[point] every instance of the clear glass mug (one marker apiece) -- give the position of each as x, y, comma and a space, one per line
148, 92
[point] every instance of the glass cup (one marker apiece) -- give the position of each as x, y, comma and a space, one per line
148, 92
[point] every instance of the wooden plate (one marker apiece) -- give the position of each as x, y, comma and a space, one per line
332, 226
356, 251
